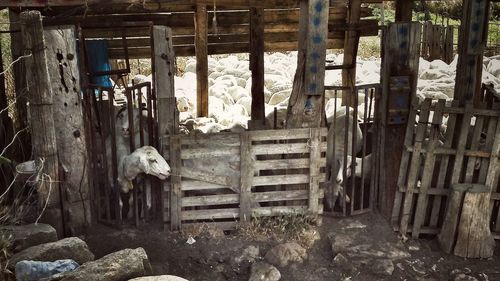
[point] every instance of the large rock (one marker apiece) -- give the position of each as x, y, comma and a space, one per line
25, 236
159, 278
285, 254
262, 271
122, 265
249, 254
69, 248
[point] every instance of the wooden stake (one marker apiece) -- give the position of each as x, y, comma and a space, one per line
257, 64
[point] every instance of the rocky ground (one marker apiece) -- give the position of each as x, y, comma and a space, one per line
359, 248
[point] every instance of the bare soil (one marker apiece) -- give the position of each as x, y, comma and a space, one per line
212, 258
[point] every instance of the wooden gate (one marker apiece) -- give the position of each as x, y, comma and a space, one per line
441, 157
222, 178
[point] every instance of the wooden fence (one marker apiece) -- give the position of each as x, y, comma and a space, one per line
226, 177
438, 42
440, 155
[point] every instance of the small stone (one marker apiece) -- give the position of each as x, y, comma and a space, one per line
249, 254
414, 248
455, 272
383, 267
341, 242
464, 277
69, 248
354, 225
287, 253
25, 236
262, 271
341, 262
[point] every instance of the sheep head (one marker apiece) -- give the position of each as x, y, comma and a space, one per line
145, 160
122, 120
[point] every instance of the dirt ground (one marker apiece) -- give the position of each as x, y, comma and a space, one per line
212, 258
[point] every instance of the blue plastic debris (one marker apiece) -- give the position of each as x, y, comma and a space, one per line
35, 270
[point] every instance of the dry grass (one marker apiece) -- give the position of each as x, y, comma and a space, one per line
5, 246
300, 228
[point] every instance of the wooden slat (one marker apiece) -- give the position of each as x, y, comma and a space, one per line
284, 134
274, 196
246, 177
210, 200
314, 170
284, 179
283, 164
189, 185
290, 148
207, 153
232, 213
175, 179
209, 177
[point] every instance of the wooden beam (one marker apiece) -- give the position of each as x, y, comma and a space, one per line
472, 42
257, 64
163, 65
400, 67
70, 133
350, 52
150, 3
404, 10
201, 50
43, 131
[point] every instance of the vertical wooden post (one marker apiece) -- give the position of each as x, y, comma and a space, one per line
404, 10
306, 101
41, 118
163, 79
164, 58
400, 64
68, 119
201, 50
472, 42
257, 66
246, 176
350, 51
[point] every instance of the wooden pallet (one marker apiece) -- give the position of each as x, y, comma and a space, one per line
274, 172
430, 168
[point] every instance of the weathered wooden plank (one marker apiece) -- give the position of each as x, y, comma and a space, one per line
209, 177
212, 140
430, 161
189, 185
246, 177
175, 182
273, 196
314, 170
284, 134
210, 200
285, 179
290, 148
208, 153
283, 164
230, 213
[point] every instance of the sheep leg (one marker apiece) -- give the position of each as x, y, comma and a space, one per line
126, 204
